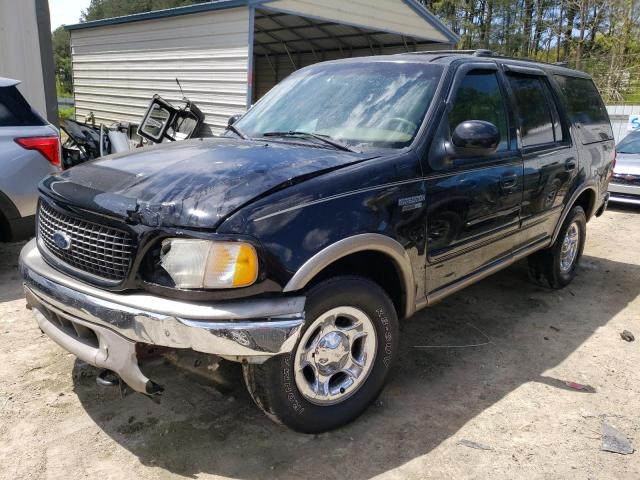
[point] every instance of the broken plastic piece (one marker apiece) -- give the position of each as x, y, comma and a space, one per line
627, 336
614, 441
576, 386
471, 444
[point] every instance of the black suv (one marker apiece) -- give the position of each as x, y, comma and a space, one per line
353, 194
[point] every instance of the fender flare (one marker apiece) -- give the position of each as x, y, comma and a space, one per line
359, 243
8, 208
571, 203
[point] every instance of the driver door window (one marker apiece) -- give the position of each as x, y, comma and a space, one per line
479, 97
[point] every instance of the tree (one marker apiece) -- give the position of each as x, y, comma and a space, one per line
62, 59
601, 37
99, 9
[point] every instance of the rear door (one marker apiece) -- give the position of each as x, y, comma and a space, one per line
550, 158
473, 204
591, 129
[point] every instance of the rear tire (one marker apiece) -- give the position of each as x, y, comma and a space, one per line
351, 327
555, 267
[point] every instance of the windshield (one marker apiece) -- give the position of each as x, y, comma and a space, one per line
630, 143
362, 105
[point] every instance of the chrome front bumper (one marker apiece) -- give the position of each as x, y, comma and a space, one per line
102, 327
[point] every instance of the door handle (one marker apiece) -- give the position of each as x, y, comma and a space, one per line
570, 164
508, 181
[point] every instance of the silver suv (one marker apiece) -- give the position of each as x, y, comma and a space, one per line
29, 151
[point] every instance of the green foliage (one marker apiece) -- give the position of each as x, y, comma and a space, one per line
65, 113
60, 41
99, 9
601, 37
62, 88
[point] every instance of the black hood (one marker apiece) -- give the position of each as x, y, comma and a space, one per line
193, 183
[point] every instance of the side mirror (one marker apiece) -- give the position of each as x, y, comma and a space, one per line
156, 120
475, 138
233, 119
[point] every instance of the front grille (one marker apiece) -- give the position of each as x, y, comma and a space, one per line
625, 179
95, 249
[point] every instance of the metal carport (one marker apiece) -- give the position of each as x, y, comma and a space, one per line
228, 53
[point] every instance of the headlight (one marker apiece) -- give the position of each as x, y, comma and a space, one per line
193, 263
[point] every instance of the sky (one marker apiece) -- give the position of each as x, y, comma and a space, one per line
66, 12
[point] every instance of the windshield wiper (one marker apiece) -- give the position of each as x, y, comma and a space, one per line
237, 132
323, 138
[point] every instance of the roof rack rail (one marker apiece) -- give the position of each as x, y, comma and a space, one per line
481, 52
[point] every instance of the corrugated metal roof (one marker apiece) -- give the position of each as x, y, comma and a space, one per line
418, 8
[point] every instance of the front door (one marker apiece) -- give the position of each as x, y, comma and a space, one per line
473, 204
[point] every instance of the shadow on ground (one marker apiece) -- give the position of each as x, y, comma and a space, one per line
9, 275
432, 394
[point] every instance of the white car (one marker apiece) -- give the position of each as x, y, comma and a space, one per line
624, 185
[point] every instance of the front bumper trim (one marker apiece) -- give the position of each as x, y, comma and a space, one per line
628, 194
248, 330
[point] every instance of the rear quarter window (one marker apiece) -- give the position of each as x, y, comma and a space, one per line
15, 111
585, 108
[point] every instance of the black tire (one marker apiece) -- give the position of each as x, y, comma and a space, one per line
545, 265
273, 387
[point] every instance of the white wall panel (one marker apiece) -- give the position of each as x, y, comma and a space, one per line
118, 68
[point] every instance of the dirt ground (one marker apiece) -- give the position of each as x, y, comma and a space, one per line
508, 395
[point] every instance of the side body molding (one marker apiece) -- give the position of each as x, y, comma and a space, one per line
359, 243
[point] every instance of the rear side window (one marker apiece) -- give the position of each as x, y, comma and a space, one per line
15, 111
585, 108
538, 114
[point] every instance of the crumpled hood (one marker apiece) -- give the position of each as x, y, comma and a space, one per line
193, 183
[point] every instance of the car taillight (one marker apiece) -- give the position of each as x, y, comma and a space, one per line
49, 147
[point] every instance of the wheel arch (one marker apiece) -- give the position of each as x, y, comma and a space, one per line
585, 197
387, 250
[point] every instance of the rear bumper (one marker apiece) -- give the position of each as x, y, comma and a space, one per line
102, 327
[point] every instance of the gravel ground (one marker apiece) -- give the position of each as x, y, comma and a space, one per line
507, 395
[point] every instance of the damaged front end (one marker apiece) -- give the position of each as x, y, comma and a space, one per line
105, 328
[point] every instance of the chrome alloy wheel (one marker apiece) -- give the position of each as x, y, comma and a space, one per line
570, 245
335, 355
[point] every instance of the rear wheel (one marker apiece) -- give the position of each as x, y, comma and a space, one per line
555, 267
339, 365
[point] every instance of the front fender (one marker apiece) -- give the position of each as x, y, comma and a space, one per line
358, 243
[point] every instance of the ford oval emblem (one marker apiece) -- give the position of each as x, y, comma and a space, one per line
62, 240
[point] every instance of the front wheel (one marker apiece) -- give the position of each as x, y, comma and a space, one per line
555, 266
339, 365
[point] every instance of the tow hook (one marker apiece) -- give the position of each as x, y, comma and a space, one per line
108, 378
